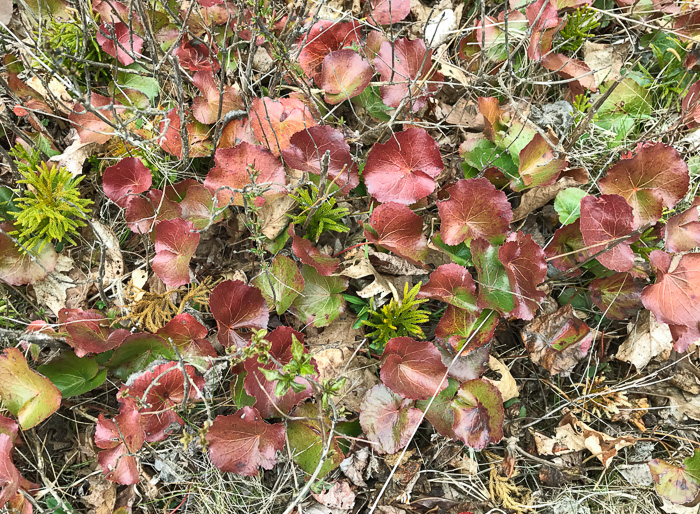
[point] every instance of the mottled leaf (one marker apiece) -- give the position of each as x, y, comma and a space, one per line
526, 267
619, 296
306, 441
682, 231
323, 38
567, 248
17, 268
312, 256
538, 166
137, 352
478, 414
459, 326
678, 484
118, 40
452, 284
344, 75
280, 284
388, 420
212, 105
321, 302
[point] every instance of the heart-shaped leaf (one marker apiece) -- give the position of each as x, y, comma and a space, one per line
118, 40
344, 75
90, 127
538, 166
682, 231
398, 229
478, 414
323, 38
387, 419
236, 307
280, 284
567, 248
188, 335
89, 331
176, 242
440, 413
142, 214
459, 326
605, 223
126, 178
321, 302
413, 369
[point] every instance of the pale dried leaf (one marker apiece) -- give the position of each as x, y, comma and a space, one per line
647, 339
537, 197
506, 385
273, 215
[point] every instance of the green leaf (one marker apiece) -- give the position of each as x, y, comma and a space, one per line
7, 203
74, 375
480, 153
568, 204
137, 352
306, 442
459, 254
281, 284
440, 414
370, 100
494, 285
238, 395
321, 302
146, 85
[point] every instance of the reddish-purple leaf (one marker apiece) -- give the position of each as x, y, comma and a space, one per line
237, 307
475, 209
140, 214
117, 40
90, 127
243, 442
567, 248
175, 244
405, 64
690, 107
404, 169
256, 385
308, 146
9, 475
682, 231
387, 419
312, 256
344, 75
323, 38
526, 267
453, 284
233, 168
196, 56
212, 105
656, 177
619, 296
678, 484
275, 122
161, 390
457, 326
189, 335
18, 268
537, 165
89, 331
544, 22
128, 177
386, 12
478, 414
413, 369
605, 222
398, 229
120, 438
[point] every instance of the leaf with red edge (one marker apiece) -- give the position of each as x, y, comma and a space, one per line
137, 352
141, 216
525, 264
237, 307
25, 393
690, 106
9, 475
571, 69
413, 369
89, 331
344, 75
170, 140
275, 122
388, 420
212, 105
188, 335
386, 12
308, 146
280, 284
567, 248
656, 177
323, 38
405, 64
256, 385
117, 40
18, 268
452, 284
475, 209
10, 427
404, 169
128, 177
398, 229
312, 256
176, 242
243, 442
538, 166
321, 302
161, 389
233, 168
196, 56
440, 413
605, 221
198, 207
494, 281
478, 414
682, 231
544, 22
457, 326
619, 296
119, 439
678, 484
90, 127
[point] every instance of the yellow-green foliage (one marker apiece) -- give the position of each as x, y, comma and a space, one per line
50, 208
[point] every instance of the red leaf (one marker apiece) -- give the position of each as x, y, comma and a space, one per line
9, 475
656, 177
567, 248
404, 169
569, 68
243, 442
232, 170
683, 230
171, 136
413, 369
603, 221
128, 177
275, 122
208, 108
344, 75
256, 385
18, 268
161, 390
90, 127
141, 214
478, 414
537, 165
117, 40
526, 267
387, 419
457, 326
690, 107
195, 56
308, 146
619, 296
89, 331
323, 38
237, 131
453, 284
198, 207
398, 229
386, 12
235, 307
176, 242
475, 209
312, 256
120, 438
544, 22
406, 63
189, 335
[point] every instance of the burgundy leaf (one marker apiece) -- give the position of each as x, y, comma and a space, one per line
386, 12
120, 438
323, 38
188, 335
308, 146
475, 209
117, 40
237, 307
344, 75
453, 284
404, 169
413, 369
387, 419
312, 256
398, 229
89, 331
567, 248
275, 122
196, 56
605, 221
683, 230
176, 242
212, 105
619, 296
243, 442
544, 22
478, 414
128, 177
526, 266
90, 127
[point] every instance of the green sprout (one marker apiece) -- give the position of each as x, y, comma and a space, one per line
578, 28
326, 215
